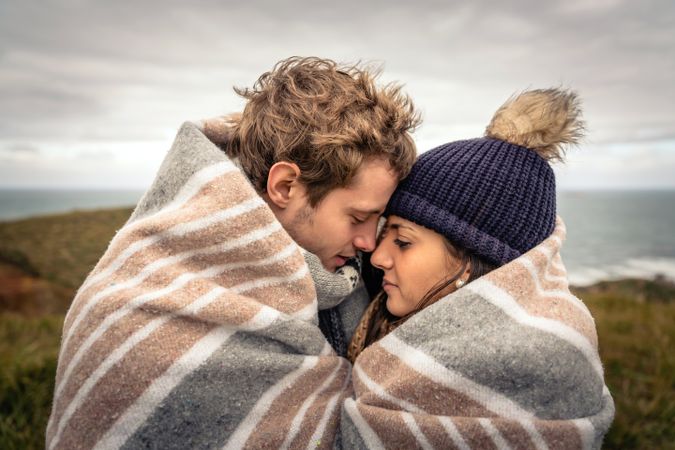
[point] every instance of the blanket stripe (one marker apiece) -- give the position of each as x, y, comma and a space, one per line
160, 265
138, 413
500, 298
112, 312
297, 433
134, 238
197, 328
508, 361
456, 439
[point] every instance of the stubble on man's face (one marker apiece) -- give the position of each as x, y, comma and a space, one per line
313, 235
345, 220
300, 225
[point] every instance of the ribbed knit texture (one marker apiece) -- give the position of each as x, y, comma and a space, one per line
491, 197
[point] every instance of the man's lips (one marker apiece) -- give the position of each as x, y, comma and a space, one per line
342, 259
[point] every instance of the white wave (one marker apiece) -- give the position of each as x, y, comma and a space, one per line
642, 268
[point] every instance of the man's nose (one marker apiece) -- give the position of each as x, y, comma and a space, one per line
365, 241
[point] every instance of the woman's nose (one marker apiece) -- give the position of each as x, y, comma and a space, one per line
381, 258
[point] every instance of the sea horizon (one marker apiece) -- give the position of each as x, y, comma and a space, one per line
612, 234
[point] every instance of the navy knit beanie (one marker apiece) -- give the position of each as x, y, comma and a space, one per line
495, 196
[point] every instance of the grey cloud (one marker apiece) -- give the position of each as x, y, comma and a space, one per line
96, 155
97, 71
22, 147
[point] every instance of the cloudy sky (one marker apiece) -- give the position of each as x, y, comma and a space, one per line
92, 92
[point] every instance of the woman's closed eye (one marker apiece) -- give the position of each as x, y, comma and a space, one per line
400, 243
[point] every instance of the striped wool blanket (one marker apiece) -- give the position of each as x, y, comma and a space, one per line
198, 326
508, 361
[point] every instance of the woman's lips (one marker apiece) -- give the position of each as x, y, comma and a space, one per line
388, 285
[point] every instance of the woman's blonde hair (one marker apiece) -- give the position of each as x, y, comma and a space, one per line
325, 118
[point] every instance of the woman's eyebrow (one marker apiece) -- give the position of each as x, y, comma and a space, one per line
396, 226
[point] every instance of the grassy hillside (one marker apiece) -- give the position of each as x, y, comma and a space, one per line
28, 351
636, 328
42, 263
44, 260
60, 248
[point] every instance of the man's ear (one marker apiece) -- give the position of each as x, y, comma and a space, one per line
282, 183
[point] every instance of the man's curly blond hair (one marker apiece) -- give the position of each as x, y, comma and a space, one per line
327, 119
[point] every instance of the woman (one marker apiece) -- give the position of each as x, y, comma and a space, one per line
475, 340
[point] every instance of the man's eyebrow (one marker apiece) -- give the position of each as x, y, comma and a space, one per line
368, 212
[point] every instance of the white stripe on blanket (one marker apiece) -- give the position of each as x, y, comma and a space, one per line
427, 366
178, 283
501, 299
307, 313
382, 392
368, 435
178, 230
195, 183
421, 439
294, 429
544, 293
137, 413
453, 432
330, 409
156, 265
243, 432
494, 434
488, 398
586, 431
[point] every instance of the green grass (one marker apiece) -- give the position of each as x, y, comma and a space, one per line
62, 248
636, 347
635, 321
28, 352
48, 258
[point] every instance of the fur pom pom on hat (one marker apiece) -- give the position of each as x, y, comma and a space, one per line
542, 120
495, 195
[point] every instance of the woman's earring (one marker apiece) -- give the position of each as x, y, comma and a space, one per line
459, 283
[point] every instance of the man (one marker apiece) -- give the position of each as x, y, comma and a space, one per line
197, 328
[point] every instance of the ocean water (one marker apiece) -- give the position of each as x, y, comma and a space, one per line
22, 203
613, 235
610, 235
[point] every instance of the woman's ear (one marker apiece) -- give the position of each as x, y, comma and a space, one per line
467, 273
282, 183
463, 278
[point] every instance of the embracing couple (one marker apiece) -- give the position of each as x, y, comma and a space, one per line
255, 298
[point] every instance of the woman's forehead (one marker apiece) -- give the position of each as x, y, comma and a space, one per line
396, 222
